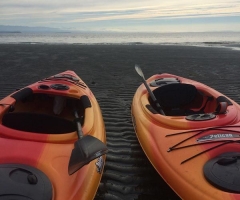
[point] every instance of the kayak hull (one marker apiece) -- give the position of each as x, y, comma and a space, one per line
172, 142
48, 148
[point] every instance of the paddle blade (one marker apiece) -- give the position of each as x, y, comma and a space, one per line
85, 150
139, 71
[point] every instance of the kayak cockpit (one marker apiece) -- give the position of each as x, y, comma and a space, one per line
38, 123
183, 99
44, 113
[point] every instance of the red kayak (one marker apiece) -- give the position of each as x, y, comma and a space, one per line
52, 139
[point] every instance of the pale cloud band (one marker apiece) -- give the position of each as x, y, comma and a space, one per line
59, 13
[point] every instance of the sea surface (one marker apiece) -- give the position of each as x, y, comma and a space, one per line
210, 39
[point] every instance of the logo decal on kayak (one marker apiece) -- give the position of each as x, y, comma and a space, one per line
100, 164
219, 136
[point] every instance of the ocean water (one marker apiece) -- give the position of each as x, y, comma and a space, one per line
216, 39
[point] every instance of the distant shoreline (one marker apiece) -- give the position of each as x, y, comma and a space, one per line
10, 32
32, 32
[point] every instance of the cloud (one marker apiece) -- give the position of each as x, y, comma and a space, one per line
58, 13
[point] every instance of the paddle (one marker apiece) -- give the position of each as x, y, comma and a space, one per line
86, 149
140, 73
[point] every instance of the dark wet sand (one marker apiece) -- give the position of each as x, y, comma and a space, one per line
109, 71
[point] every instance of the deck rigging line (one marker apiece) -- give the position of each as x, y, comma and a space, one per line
200, 131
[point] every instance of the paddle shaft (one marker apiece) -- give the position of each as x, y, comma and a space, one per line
140, 73
153, 97
79, 126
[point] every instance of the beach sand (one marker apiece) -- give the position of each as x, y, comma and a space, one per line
109, 72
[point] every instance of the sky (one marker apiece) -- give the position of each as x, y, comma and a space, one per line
124, 15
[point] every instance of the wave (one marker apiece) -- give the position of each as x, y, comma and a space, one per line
227, 45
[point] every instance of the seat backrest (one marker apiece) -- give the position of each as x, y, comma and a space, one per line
175, 95
222, 104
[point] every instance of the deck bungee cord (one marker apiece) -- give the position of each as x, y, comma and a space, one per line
201, 131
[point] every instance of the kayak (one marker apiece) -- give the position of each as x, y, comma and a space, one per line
191, 134
52, 139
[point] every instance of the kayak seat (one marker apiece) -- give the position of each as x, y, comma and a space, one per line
37, 123
174, 97
222, 104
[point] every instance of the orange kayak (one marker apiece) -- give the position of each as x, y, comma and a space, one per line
52, 139
191, 134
